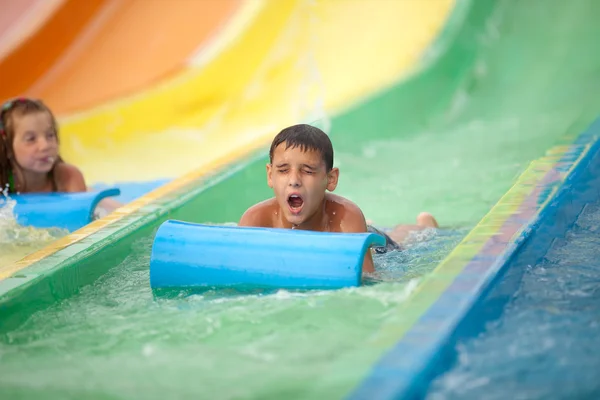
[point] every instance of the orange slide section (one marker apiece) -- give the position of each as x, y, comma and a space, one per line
38, 52
19, 19
56, 63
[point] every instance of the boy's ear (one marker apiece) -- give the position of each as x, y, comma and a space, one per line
332, 179
269, 180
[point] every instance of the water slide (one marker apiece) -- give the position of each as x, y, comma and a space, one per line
146, 93
436, 106
189, 79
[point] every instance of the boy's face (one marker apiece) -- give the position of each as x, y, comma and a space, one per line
299, 180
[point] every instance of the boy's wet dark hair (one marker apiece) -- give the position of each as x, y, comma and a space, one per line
306, 137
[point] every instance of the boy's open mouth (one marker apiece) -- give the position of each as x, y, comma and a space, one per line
295, 202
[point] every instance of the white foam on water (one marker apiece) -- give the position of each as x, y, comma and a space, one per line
14, 234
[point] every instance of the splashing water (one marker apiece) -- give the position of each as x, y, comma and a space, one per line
423, 250
16, 241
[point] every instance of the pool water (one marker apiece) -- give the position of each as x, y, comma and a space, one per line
546, 345
118, 339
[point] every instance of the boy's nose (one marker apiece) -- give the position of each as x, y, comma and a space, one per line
294, 179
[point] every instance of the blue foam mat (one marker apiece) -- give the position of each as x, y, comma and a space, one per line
69, 211
186, 254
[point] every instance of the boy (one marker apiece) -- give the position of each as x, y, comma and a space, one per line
300, 172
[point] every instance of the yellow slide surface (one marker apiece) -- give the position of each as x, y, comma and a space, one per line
150, 89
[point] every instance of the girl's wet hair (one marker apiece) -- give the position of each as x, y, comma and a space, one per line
17, 107
307, 137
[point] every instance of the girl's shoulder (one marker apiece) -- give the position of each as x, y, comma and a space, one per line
69, 178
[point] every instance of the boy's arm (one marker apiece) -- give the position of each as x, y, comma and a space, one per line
355, 223
247, 219
254, 216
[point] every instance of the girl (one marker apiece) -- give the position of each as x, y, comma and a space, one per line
29, 159
29, 152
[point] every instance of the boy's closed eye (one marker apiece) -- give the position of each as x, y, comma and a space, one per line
310, 169
282, 168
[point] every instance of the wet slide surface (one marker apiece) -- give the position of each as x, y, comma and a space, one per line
450, 140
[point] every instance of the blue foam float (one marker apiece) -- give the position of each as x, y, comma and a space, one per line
194, 255
69, 211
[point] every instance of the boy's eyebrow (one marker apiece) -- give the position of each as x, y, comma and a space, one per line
310, 166
281, 165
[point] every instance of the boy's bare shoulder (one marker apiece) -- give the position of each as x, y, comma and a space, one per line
342, 203
69, 178
346, 216
259, 214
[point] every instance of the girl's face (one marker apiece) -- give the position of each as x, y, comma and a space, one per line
35, 143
